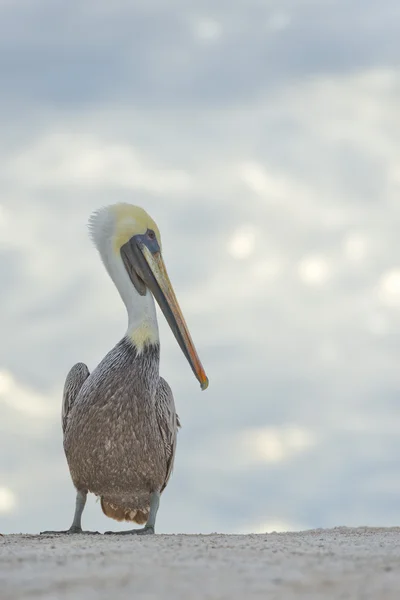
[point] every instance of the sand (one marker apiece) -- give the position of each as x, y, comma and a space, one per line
338, 563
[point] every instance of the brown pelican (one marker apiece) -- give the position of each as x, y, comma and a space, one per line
119, 422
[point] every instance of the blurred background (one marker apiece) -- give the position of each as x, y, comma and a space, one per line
264, 139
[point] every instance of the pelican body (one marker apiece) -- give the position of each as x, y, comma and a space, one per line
119, 422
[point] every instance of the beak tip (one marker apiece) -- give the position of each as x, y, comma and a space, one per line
204, 384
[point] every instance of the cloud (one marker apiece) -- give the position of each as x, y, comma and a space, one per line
32, 458
389, 288
7, 500
22, 399
181, 56
77, 160
273, 445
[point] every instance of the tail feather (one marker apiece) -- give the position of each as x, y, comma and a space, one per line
138, 516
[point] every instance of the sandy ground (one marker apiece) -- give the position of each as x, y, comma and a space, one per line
338, 563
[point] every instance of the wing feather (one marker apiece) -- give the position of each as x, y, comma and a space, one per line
168, 422
73, 383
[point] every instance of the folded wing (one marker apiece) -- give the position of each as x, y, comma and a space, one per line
168, 422
73, 383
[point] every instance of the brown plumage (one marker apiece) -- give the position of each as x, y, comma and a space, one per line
120, 429
135, 516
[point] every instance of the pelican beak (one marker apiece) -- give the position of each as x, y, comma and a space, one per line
143, 260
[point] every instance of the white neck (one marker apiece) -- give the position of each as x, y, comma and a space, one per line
142, 317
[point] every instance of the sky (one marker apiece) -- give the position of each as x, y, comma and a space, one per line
263, 138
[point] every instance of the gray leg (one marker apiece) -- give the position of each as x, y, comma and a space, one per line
149, 528
76, 526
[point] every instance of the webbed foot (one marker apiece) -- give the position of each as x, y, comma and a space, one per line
143, 531
73, 529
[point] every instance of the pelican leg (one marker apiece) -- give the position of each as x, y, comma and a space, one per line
76, 526
149, 528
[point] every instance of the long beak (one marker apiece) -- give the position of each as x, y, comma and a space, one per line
155, 276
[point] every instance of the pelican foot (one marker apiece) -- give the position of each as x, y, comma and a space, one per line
70, 531
143, 531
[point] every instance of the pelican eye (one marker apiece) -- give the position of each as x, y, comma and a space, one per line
151, 234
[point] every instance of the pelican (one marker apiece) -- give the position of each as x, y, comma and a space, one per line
119, 422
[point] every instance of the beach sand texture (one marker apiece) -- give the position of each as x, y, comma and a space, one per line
340, 563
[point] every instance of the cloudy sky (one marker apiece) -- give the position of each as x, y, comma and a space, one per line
263, 137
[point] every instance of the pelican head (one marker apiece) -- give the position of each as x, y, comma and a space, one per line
129, 244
